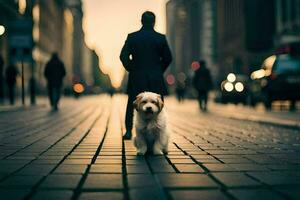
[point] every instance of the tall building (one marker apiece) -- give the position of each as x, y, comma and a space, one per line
9, 12
54, 26
75, 7
245, 35
191, 30
287, 14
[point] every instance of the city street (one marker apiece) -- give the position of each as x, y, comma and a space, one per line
230, 152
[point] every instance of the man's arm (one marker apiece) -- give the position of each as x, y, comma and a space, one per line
166, 58
125, 56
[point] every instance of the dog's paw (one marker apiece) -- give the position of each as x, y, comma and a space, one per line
157, 152
141, 152
165, 151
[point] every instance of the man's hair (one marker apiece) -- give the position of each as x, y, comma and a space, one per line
148, 18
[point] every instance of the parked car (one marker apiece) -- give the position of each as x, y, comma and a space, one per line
234, 89
278, 79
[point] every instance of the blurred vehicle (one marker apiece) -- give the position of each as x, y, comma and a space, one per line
235, 89
278, 79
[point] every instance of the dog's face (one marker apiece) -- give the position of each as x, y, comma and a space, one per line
149, 104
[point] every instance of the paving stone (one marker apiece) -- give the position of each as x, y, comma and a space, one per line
106, 168
189, 168
136, 162
101, 195
18, 181
70, 169
141, 180
13, 194
138, 169
77, 161
249, 167
10, 168
291, 192
108, 161
235, 179
186, 181
182, 161
103, 181
146, 193
219, 167
276, 178
197, 195
60, 181
36, 169
235, 160
257, 194
53, 195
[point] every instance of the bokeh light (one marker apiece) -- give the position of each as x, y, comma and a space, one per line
2, 30
231, 77
239, 86
228, 86
170, 79
195, 65
78, 88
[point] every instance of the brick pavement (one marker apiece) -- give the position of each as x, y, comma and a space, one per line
78, 153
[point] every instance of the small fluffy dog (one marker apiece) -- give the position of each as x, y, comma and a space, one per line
152, 133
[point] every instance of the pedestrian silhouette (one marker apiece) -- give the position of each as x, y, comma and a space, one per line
1, 80
203, 83
146, 56
54, 73
11, 74
180, 91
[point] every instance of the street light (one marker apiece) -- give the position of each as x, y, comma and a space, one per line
2, 30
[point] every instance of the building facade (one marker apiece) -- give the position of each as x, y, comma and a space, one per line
191, 30
56, 28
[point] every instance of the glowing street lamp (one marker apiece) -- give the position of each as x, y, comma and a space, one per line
2, 30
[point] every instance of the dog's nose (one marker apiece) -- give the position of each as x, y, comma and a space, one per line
148, 109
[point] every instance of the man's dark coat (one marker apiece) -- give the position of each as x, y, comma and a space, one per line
146, 55
55, 72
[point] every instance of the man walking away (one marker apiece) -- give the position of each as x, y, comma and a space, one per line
203, 83
146, 56
11, 74
54, 73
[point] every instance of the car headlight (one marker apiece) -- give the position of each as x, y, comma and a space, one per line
239, 87
231, 77
228, 87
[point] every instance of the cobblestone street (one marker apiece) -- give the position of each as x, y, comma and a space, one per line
78, 153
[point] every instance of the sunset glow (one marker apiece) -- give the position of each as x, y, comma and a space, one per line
106, 24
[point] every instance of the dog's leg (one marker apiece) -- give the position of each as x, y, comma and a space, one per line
157, 148
141, 145
164, 141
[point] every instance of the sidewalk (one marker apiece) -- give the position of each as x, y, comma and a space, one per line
78, 153
240, 112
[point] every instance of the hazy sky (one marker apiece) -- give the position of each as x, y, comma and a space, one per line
107, 23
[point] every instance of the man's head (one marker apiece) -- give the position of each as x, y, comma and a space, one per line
148, 18
54, 55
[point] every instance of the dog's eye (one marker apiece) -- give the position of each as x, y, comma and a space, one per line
154, 102
144, 102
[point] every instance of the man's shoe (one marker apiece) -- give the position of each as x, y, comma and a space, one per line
127, 135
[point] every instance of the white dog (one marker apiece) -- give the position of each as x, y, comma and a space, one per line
152, 133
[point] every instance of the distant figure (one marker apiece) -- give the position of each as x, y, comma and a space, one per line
11, 74
180, 90
54, 73
146, 56
1, 80
203, 83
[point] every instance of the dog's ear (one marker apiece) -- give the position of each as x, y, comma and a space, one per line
137, 101
160, 102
